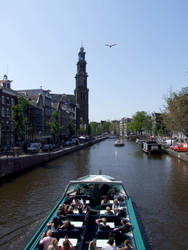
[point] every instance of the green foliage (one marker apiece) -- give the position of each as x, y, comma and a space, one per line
95, 128
176, 112
141, 122
106, 126
72, 127
54, 124
83, 129
159, 130
19, 117
98, 128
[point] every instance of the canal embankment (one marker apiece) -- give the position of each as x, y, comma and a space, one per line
180, 155
15, 164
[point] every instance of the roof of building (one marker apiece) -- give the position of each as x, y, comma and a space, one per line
63, 97
33, 98
55, 105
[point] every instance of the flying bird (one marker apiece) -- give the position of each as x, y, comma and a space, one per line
110, 45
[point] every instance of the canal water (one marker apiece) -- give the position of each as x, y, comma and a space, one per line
158, 186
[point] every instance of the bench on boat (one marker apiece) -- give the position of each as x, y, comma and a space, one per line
73, 233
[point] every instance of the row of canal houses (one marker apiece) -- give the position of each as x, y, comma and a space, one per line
42, 104
121, 128
122, 125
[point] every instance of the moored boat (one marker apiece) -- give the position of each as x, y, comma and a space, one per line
119, 143
139, 141
97, 194
151, 147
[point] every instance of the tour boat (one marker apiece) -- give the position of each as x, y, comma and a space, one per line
151, 147
90, 190
119, 143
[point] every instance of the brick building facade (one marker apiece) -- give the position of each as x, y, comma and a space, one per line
8, 98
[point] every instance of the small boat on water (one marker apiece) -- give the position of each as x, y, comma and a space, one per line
139, 141
151, 147
119, 143
91, 191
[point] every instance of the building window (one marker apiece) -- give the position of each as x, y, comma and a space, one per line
8, 100
3, 100
12, 101
3, 112
8, 112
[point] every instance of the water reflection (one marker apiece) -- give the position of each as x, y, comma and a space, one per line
178, 184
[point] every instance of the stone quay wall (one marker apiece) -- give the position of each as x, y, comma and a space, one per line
180, 155
13, 165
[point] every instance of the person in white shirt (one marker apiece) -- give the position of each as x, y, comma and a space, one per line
118, 210
110, 245
46, 239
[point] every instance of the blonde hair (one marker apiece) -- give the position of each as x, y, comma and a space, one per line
70, 209
54, 242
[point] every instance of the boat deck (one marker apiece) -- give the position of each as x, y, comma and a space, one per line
85, 227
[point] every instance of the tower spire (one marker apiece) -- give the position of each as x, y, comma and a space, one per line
81, 90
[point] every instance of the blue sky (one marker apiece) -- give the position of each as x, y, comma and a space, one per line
40, 40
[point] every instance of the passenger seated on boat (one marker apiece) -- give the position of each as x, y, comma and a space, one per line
84, 205
70, 210
63, 209
85, 209
53, 245
109, 245
46, 239
126, 246
121, 201
66, 245
67, 225
118, 195
92, 245
53, 225
121, 230
60, 218
68, 199
105, 200
108, 211
75, 203
125, 226
102, 224
115, 205
80, 210
118, 210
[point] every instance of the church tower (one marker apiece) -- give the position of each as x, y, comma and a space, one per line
81, 90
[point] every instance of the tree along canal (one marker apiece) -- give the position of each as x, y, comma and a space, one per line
157, 184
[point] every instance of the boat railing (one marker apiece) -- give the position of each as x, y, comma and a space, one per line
136, 231
35, 239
